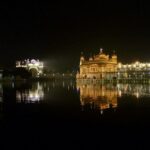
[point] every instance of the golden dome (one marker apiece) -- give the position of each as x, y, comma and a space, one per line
90, 59
114, 55
82, 58
102, 55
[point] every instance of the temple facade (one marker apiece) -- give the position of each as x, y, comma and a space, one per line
100, 66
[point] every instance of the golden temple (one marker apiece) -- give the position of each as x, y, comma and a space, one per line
100, 66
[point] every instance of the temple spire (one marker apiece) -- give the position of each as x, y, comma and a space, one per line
101, 50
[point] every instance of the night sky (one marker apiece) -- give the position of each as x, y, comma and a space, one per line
57, 32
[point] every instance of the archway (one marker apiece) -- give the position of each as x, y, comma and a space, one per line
34, 72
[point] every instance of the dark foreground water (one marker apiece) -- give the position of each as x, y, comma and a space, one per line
66, 115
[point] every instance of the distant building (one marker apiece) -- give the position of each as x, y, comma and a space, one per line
33, 66
137, 70
100, 66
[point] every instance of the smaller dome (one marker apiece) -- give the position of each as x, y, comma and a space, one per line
82, 58
102, 55
33, 61
101, 51
114, 56
90, 59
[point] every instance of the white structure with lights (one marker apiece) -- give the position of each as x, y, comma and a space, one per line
34, 66
134, 71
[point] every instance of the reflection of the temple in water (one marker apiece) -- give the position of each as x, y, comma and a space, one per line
137, 90
98, 96
35, 94
105, 96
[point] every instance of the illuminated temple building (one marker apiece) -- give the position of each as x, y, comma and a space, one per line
106, 68
100, 66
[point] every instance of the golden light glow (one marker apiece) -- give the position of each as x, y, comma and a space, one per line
33, 95
98, 96
105, 96
98, 67
31, 64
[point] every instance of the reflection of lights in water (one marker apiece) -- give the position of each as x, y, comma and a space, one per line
104, 106
137, 95
82, 102
101, 111
48, 89
134, 90
105, 96
13, 85
18, 95
119, 93
77, 89
53, 84
103, 93
91, 105
63, 84
44, 85
34, 97
31, 95
98, 96
118, 86
68, 88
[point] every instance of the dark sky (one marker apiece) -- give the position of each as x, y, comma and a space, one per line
57, 32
